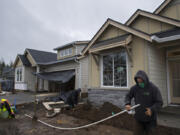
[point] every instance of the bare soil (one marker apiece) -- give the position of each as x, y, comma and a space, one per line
81, 115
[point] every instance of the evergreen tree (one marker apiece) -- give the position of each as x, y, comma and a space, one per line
2, 65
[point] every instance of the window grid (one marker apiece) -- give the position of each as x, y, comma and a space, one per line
66, 52
113, 74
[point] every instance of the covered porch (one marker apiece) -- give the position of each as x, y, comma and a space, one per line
169, 42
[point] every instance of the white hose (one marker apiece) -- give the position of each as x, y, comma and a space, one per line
88, 125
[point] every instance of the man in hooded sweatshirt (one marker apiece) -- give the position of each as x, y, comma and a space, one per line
149, 97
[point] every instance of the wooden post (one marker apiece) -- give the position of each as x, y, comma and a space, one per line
35, 101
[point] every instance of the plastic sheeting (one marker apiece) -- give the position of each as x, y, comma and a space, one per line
69, 97
59, 76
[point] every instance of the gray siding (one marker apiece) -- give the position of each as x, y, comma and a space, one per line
29, 78
46, 85
157, 70
98, 97
79, 49
62, 66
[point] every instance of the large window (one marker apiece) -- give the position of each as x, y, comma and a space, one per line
66, 52
19, 74
114, 69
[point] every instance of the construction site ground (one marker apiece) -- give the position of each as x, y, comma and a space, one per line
80, 115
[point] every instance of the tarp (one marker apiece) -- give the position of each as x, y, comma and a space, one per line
59, 76
70, 97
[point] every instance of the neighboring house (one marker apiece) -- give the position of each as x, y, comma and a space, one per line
27, 65
66, 69
49, 71
147, 41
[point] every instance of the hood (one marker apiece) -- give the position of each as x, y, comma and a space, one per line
141, 74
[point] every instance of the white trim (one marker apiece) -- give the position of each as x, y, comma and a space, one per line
20, 86
113, 70
127, 68
165, 39
22, 74
168, 79
101, 72
110, 88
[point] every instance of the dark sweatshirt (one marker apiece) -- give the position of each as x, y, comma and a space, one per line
147, 97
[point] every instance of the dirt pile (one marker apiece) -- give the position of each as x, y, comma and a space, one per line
124, 121
90, 113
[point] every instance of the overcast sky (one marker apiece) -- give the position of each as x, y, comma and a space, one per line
46, 24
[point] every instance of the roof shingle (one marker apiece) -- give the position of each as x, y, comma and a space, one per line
168, 33
24, 60
42, 56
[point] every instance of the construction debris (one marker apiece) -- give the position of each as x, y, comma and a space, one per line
48, 107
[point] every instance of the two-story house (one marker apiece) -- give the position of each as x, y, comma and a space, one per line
147, 41
47, 71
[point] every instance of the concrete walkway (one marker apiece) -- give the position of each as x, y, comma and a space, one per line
25, 97
169, 120
170, 116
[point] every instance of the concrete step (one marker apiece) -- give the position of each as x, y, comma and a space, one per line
171, 110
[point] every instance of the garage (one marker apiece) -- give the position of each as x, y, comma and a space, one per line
59, 80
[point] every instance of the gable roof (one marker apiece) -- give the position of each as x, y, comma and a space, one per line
162, 6
58, 61
72, 43
24, 60
110, 41
120, 41
152, 16
120, 26
42, 56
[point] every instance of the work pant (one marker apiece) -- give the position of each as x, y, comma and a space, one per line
144, 128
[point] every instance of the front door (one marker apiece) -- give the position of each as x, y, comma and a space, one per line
174, 78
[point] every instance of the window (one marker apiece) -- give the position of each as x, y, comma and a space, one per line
19, 74
114, 71
70, 51
66, 52
61, 53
